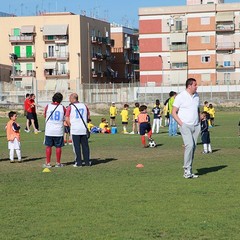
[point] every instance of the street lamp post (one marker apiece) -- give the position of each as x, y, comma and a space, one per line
79, 73
13, 57
162, 65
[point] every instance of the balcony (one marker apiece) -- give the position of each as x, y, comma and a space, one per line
135, 48
96, 74
56, 74
108, 57
26, 57
178, 47
178, 28
225, 65
21, 39
177, 66
110, 42
228, 27
225, 46
56, 39
132, 61
97, 57
56, 56
20, 74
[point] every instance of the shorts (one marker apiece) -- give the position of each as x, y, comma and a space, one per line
135, 120
15, 144
124, 123
112, 117
30, 115
51, 141
67, 129
144, 128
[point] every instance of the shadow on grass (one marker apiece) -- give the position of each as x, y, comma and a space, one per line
159, 145
203, 171
95, 161
23, 159
216, 150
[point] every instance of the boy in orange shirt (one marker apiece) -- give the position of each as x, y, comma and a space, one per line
144, 125
13, 137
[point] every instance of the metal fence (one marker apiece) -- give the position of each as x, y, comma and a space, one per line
107, 92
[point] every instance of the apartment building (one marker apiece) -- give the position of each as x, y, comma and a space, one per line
200, 40
125, 53
56, 46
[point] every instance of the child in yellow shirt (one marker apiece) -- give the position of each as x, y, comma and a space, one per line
124, 114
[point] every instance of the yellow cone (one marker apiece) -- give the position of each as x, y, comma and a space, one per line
46, 170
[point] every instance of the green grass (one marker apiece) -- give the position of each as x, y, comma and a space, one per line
115, 200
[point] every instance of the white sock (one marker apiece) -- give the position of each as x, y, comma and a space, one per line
11, 154
205, 147
18, 151
209, 147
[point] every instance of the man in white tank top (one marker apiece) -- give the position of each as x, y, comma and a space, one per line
78, 129
54, 129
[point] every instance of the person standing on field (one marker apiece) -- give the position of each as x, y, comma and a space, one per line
187, 114
78, 129
54, 129
113, 114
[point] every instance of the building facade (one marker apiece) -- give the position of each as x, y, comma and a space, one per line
201, 40
55, 48
125, 53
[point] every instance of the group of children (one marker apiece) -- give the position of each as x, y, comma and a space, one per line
141, 125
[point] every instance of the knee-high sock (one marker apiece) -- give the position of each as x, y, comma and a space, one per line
150, 134
18, 151
58, 154
48, 154
11, 154
143, 140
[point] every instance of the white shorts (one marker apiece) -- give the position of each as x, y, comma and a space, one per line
15, 144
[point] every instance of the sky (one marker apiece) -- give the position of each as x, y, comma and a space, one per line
124, 12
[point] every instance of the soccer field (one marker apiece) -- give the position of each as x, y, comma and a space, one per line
114, 200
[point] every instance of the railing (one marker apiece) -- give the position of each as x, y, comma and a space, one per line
225, 46
225, 65
178, 47
56, 55
57, 74
63, 38
97, 56
25, 56
21, 38
225, 27
21, 74
174, 28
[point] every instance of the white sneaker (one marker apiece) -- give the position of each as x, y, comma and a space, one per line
27, 131
191, 175
58, 165
75, 165
47, 165
131, 132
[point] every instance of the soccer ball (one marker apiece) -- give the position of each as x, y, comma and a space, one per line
152, 144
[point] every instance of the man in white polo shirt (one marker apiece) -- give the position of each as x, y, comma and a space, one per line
186, 112
78, 129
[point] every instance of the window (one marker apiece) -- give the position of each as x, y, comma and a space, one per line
63, 68
227, 78
178, 25
51, 51
206, 77
16, 31
205, 39
205, 58
205, 20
